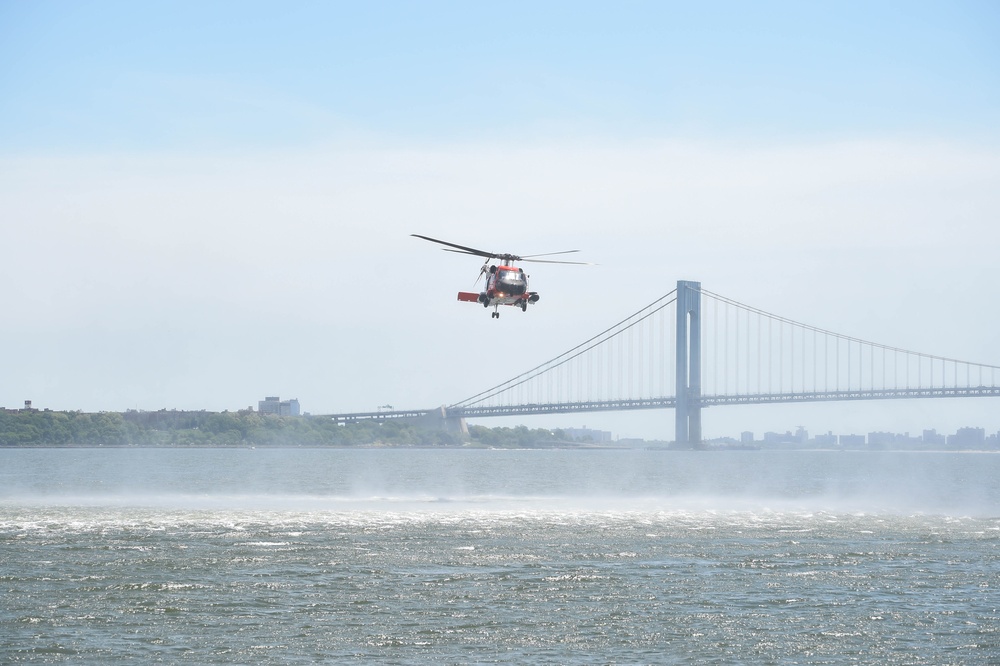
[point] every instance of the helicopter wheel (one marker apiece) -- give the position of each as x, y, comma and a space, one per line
524, 306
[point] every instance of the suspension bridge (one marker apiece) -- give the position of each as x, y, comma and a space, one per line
693, 348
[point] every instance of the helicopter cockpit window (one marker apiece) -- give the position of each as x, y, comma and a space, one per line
511, 276
511, 282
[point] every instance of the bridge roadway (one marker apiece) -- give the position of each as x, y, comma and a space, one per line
671, 402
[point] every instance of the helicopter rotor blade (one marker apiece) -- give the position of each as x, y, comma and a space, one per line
553, 261
460, 248
482, 272
548, 254
475, 254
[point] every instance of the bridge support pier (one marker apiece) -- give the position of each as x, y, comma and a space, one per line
687, 414
438, 419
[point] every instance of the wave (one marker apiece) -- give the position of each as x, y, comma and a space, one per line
426, 503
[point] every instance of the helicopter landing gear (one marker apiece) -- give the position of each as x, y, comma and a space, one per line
524, 306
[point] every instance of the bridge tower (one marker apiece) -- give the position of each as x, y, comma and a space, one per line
687, 414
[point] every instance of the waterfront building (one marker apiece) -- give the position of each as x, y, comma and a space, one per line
275, 406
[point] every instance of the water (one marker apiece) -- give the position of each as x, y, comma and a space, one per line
561, 557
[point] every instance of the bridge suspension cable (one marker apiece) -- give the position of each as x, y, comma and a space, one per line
749, 352
625, 359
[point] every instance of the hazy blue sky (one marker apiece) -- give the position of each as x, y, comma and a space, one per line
205, 203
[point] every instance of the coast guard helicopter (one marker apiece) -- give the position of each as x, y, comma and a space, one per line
506, 284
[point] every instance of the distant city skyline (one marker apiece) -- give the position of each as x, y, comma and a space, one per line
965, 437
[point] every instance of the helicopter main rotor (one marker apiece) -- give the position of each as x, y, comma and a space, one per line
461, 249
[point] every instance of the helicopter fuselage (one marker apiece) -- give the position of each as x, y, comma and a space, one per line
505, 285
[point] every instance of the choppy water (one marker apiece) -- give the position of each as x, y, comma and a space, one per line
413, 557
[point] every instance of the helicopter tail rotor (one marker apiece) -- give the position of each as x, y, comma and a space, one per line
482, 271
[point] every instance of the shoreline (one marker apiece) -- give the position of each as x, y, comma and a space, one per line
567, 447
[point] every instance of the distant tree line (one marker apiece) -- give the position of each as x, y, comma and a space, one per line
241, 428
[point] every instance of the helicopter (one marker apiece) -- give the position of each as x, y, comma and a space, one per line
506, 284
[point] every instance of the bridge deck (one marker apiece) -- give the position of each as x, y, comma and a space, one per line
670, 403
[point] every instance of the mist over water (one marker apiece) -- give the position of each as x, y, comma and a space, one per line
478, 556
450, 480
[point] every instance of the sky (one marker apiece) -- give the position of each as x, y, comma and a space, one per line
203, 204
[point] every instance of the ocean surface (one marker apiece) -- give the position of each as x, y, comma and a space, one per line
310, 556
